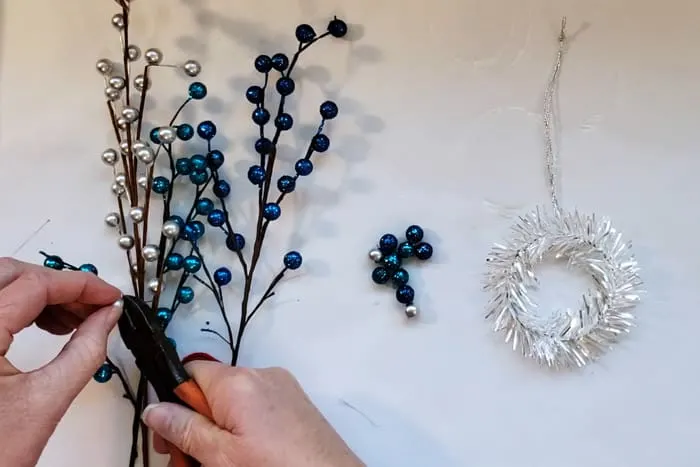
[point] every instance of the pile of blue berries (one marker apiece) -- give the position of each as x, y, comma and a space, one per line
390, 255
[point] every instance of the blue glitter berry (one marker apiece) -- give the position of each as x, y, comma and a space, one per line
222, 276
164, 316
400, 278
286, 184
280, 62
272, 211
320, 143
388, 244
380, 275
337, 28
414, 234
194, 230
261, 116
199, 162
255, 94
199, 177
256, 174
185, 294
178, 220
328, 110
303, 167
160, 185
216, 218
305, 33
285, 86
405, 294
222, 189
104, 373
185, 132
263, 64
284, 121
206, 130
392, 262
292, 260
215, 159
54, 262
423, 250
183, 166
192, 264
235, 242
198, 90
405, 250
88, 268
174, 261
154, 136
263, 146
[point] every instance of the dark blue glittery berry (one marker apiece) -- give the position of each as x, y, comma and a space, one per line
286, 184
256, 174
174, 261
215, 159
280, 62
263, 146
400, 278
91, 268
183, 166
414, 234
198, 90
284, 121
405, 250
388, 244
103, 373
194, 230
423, 250
303, 167
193, 264
204, 206
185, 294
206, 130
235, 242
160, 185
328, 110
292, 260
154, 135
222, 189
164, 316
320, 143
405, 294
285, 86
392, 262
272, 211
337, 27
185, 132
199, 162
380, 275
216, 218
199, 177
263, 63
261, 116
305, 33
54, 262
222, 276
255, 94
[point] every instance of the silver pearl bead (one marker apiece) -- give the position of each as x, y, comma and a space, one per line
122, 123
192, 68
120, 179
143, 181
109, 156
137, 214
133, 52
146, 155
140, 83
153, 56
117, 82
167, 135
135, 268
130, 114
118, 21
126, 242
138, 145
375, 255
112, 219
112, 94
150, 253
117, 189
411, 311
104, 66
170, 229
154, 285
124, 147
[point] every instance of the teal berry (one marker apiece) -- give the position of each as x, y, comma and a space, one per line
222, 276
160, 185
193, 264
54, 262
199, 177
380, 275
400, 277
414, 234
164, 316
206, 130
88, 268
174, 261
423, 250
215, 159
104, 373
185, 132
199, 162
185, 294
204, 206
392, 262
405, 250
198, 91
183, 166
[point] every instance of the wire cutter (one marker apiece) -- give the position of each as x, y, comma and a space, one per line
158, 361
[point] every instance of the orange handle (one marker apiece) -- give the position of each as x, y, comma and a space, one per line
189, 393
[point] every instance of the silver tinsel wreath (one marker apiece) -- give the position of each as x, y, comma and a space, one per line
569, 338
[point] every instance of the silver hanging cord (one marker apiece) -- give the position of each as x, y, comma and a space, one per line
549, 119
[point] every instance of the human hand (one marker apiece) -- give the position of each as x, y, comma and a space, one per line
59, 302
262, 418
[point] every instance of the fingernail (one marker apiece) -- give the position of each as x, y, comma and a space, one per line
148, 408
115, 311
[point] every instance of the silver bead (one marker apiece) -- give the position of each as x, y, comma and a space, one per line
137, 214
154, 285
135, 268
150, 253
118, 21
117, 82
170, 229
167, 135
411, 311
143, 181
192, 68
118, 304
104, 66
133, 52
124, 147
120, 179
130, 114
153, 56
138, 145
126, 242
146, 155
140, 83
112, 219
112, 94
117, 189
375, 255
109, 156
122, 123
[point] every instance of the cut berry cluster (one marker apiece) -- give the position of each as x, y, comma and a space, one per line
390, 255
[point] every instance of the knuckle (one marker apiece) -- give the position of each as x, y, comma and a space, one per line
187, 433
243, 382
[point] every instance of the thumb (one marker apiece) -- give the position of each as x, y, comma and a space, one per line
67, 374
189, 431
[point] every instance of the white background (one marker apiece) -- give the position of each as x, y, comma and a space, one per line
440, 125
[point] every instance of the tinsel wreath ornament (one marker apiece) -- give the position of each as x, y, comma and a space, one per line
164, 249
588, 243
